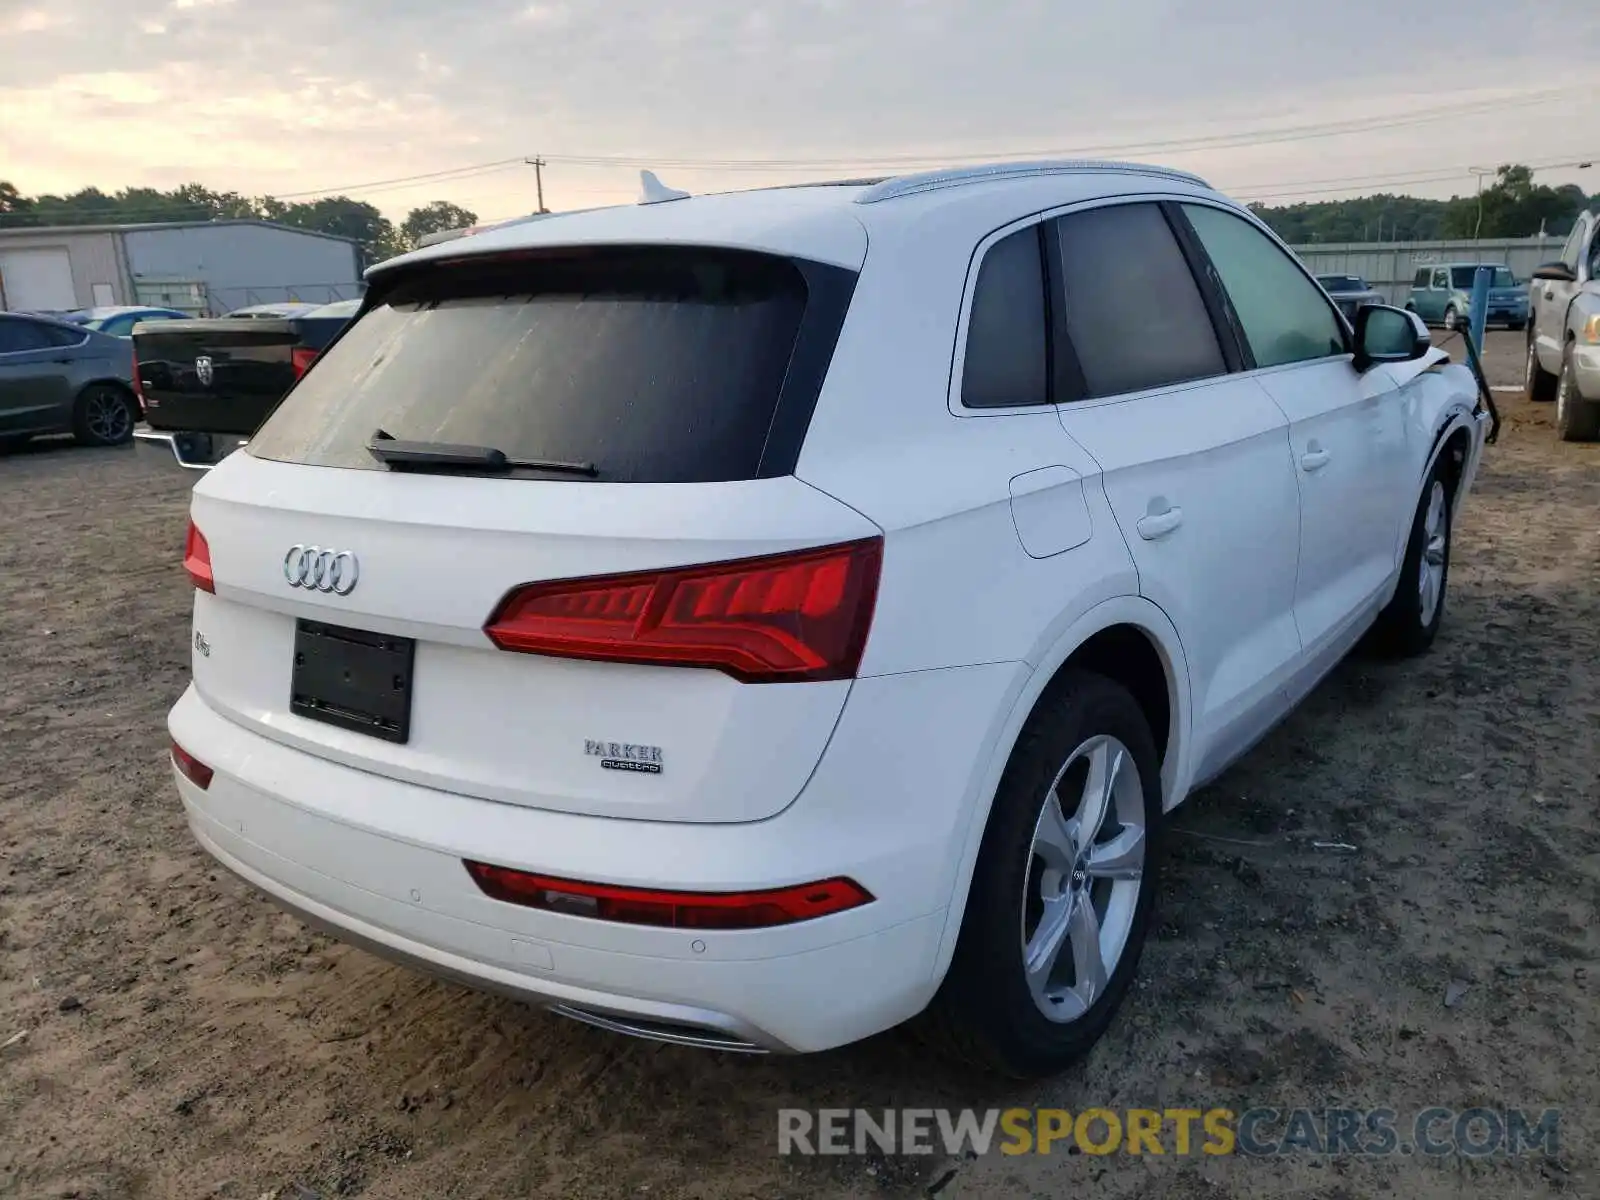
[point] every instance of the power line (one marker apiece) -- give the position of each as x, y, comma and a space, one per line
1322, 186
374, 185
1389, 177
1304, 131
1266, 136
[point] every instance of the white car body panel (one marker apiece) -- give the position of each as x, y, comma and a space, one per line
1349, 455
1213, 458
1010, 538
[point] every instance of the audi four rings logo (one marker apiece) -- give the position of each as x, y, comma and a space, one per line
317, 570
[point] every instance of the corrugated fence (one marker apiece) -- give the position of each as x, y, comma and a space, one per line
1389, 267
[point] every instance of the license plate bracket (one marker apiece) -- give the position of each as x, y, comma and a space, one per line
353, 679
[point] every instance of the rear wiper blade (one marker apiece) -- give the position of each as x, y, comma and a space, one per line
396, 452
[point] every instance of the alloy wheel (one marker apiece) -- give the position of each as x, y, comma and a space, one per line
1085, 870
107, 417
1435, 552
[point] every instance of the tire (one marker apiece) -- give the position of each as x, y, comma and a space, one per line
1409, 623
1517, 326
1034, 867
1538, 383
12, 442
1577, 419
104, 415
1450, 318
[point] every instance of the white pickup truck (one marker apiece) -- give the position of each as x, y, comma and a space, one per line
1563, 362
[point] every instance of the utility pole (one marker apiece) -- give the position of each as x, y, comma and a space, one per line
1480, 172
538, 165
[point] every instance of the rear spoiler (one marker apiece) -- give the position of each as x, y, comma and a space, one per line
450, 235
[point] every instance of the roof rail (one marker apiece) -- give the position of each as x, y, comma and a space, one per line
930, 181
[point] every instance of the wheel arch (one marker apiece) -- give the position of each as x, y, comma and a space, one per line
1452, 445
1105, 636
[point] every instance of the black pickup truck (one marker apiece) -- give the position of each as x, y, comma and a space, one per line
205, 385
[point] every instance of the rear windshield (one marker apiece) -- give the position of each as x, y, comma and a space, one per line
656, 365
1342, 283
1464, 277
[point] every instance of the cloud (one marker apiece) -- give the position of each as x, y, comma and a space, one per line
314, 95
29, 20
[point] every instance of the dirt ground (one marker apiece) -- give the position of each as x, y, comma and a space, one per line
184, 1038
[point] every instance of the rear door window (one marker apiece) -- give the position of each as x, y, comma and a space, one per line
657, 365
1134, 316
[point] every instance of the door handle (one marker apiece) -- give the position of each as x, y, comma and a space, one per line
1154, 525
1314, 460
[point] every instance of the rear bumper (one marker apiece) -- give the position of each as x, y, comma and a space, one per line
1502, 314
378, 862
192, 451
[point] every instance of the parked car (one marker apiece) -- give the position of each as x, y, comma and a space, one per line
1349, 292
1442, 295
681, 618
272, 312
220, 377
1563, 360
119, 320
57, 377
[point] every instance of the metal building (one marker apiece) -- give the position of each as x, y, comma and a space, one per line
204, 267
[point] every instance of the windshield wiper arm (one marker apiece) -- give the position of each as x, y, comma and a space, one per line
395, 452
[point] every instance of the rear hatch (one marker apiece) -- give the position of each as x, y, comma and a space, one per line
663, 396
223, 375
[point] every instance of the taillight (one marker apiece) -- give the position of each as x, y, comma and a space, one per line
787, 618
191, 768
677, 910
301, 358
197, 559
138, 384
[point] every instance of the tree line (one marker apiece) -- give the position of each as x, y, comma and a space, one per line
1512, 206
342, 216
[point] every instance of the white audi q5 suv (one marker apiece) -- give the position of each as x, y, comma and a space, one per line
755, 620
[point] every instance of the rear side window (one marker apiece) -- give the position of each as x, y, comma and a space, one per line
1285, 317
1006, 363
1134, 314
18, 335
656, 365
62, 335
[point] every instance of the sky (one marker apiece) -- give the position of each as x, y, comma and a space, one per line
1268, 99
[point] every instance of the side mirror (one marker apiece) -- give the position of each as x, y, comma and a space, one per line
1389, 335
1556, 272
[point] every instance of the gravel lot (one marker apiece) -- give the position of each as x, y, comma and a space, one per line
184, 1038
